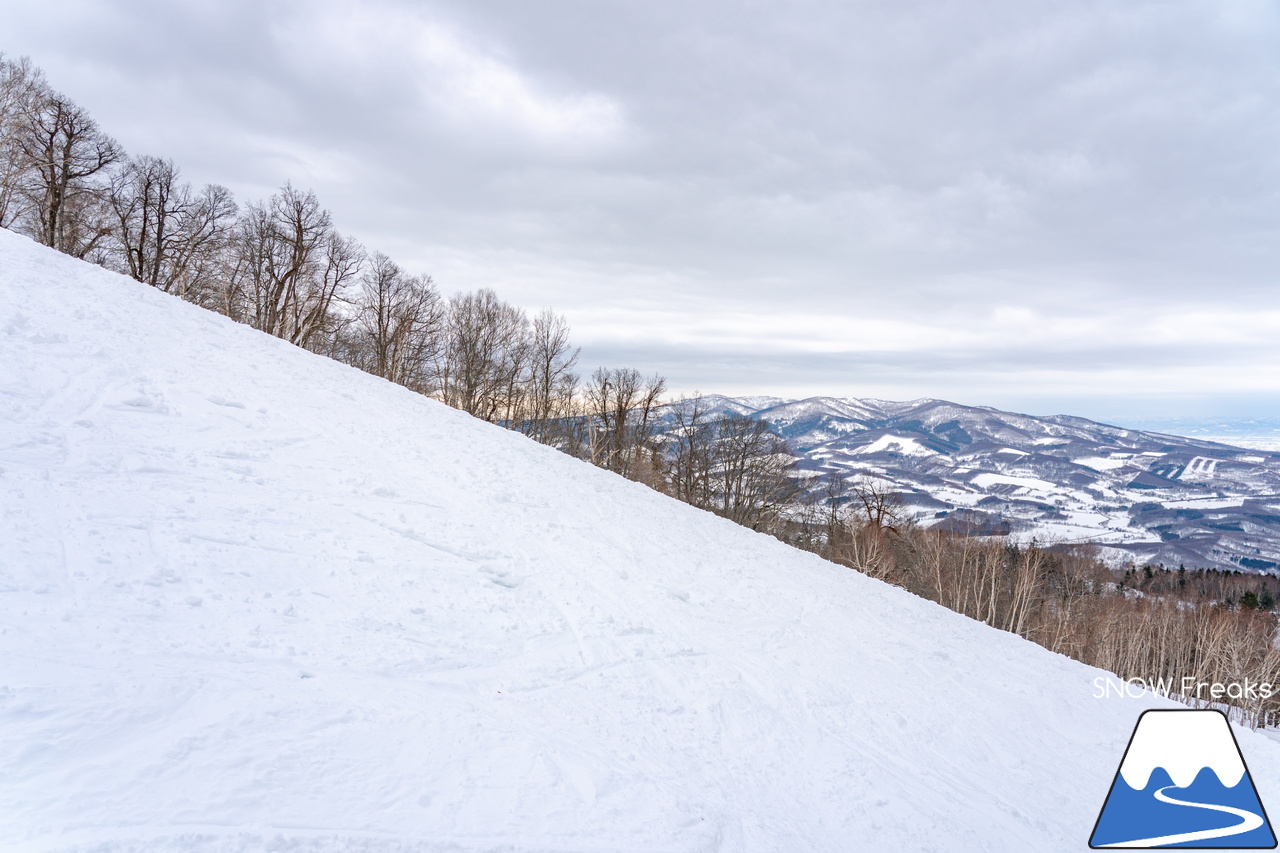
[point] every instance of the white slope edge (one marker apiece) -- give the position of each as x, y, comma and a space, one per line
251, 599
1183, 743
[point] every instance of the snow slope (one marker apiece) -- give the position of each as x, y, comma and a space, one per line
251, 599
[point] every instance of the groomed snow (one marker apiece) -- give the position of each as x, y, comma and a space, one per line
253, 600
1199, 468
1102, 463
897, 444
987, 479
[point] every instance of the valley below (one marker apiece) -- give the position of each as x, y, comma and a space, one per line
1141, 496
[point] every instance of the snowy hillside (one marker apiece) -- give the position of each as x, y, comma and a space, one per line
1144, 496
251, 599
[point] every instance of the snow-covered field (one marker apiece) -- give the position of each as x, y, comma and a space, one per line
253, 600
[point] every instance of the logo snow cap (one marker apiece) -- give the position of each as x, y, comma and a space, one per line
1183, 783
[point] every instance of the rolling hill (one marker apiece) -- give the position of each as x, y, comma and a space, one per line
1142, 496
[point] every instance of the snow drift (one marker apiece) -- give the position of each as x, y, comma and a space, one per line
252, 599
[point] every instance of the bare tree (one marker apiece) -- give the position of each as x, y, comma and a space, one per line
64, 153
551, 380
400, 323
753, 473
861, 528
621, 409
166, 235
878, 503
482, 365
690, 451
22, 85
834, 496
290, 268
198, 259
316, 319
735, 466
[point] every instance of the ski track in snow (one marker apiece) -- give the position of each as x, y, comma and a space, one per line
1199, 467
254, 600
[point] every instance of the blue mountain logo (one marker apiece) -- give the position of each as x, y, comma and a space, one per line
1183, 783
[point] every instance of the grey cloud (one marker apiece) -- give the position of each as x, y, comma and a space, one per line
925, 158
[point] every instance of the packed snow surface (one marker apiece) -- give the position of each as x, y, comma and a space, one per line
254, 600
986, 480
1103, 463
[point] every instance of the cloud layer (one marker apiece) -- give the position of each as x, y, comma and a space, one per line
1025, 204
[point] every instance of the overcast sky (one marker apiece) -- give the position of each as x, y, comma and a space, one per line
1044, 206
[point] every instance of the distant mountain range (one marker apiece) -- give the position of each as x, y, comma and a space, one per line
1142, 496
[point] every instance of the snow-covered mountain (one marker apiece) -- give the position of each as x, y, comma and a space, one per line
254, 600
1146, 496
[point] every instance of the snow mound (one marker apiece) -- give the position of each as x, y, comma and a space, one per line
251, 599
